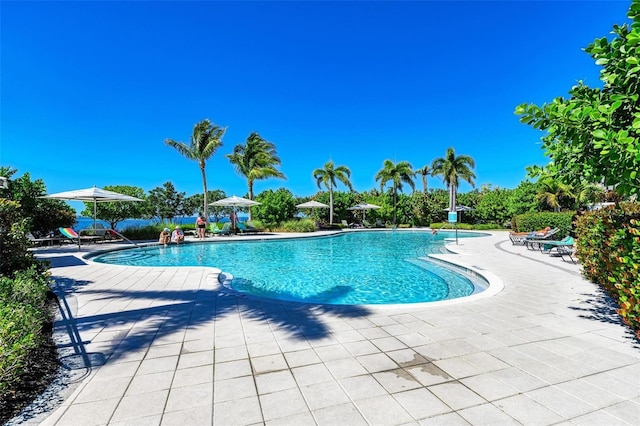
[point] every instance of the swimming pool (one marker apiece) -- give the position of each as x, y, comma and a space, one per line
349, 268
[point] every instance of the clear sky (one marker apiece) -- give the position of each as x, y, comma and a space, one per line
90, 90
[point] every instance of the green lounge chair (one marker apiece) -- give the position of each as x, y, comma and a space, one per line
565, 242
225, 230
252, 227
244, 229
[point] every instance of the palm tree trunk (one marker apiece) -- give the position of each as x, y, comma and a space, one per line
250, 182
330, 204
204, 186
452, 198
395, 206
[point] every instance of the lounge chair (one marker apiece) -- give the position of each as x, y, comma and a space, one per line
72, 235
244, 229
251, 227
367, 224
518, 238
225, 230
535, 242
569, 252
41, 241
379, 224
565, 242
99, 231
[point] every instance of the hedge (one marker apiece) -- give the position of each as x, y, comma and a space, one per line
608, 247
534, 221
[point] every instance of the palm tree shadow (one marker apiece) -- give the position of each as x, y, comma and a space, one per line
137, 328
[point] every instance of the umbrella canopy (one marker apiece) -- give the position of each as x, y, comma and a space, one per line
364, 207
235, 202
460, 208
311, 204
94, 194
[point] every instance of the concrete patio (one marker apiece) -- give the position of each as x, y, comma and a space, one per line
168, 346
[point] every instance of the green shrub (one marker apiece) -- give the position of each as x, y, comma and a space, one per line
22, 314
303, 225
533, 221
608, 246
151, 232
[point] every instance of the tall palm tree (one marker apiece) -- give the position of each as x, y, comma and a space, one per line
399, 173
255, 160
205, 140
328, 175
424, 172
452, 168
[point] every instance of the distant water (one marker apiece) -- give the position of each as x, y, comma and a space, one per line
87, 222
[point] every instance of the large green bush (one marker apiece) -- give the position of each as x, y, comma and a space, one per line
609, 249
275, 206
533, 221
22, 315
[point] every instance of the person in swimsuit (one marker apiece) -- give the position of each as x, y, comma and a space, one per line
201, 224
177, 236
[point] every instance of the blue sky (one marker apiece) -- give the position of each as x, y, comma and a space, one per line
90, 90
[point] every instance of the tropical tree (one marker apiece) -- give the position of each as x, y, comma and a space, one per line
328, 176
42, 214
453, 168
554, 193
255, 160
397, 173
205, 141
594, 134
115, 212
424, 171
275, 206
164, 203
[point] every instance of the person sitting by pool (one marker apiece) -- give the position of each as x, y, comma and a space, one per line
177, 236
165, 237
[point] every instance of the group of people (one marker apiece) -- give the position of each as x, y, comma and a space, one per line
175, 237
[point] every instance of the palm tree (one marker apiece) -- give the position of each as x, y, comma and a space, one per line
553, 192
328, 176
424, 172
255, 160
205, 140
452, 168
399, 173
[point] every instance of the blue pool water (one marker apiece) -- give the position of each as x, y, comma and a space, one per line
377, 267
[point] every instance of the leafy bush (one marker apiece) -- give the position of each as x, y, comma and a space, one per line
276, 206
304, 225
151, 232
14, 255
22, 314
608, 246
533, 221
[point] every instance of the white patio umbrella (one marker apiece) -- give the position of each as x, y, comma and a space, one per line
364, 207
94, 194
235, 202
311, 205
